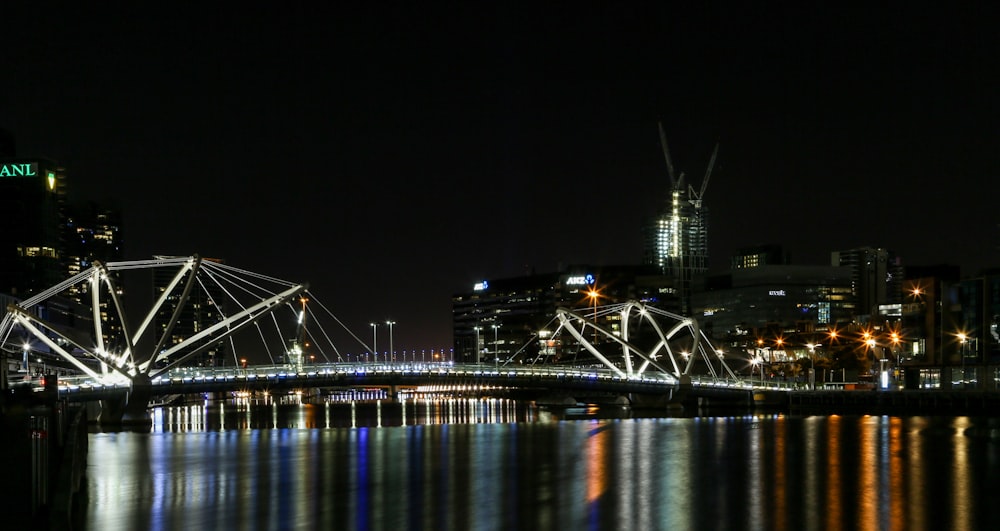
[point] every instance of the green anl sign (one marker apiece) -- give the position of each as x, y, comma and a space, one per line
19, 169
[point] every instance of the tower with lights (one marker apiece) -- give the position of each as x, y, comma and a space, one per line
676, 241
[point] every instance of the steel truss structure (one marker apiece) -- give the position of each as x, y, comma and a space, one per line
114, 352
678, 348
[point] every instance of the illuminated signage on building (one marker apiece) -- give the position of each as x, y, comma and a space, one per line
19, 169
580, 280
480, 286
776, 293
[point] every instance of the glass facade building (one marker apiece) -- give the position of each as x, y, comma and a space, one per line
32, 196
200, 311
676, 241
774, 297
877, 276
514, 318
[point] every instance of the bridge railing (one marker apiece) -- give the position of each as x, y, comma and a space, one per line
255, 372
749, 384
479, 370
258, 372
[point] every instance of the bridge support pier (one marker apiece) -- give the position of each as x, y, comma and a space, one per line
131, 410
111, 411
671, 400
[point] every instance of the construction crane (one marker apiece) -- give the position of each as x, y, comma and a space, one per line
681, 245
677, 183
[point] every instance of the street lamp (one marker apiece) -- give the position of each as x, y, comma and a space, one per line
392, 354
594, 294
375, 342
963, 339
779, 345
477, 329
812, 364
496, 346
896, 339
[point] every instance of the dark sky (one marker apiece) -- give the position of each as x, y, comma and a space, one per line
391, 156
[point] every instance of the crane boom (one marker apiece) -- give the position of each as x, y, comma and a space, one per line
708, 172
666, 156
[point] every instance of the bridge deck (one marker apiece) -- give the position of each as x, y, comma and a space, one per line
279, 378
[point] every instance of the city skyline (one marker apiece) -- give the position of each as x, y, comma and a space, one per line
393, 157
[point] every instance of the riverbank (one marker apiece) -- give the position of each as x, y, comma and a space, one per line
45, 459
903, 402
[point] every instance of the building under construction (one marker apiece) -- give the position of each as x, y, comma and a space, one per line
676, 240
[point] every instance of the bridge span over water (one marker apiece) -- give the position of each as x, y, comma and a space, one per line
132, 356
441, 378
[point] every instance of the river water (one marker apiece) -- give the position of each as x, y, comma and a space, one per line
498, 464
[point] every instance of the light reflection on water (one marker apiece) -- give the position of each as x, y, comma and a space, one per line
498, 464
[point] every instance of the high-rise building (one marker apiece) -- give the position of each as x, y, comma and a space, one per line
676, 241
92, 234
514, 318
41, 247
199, 311
774, 299
759, 256
877, 275
32, 197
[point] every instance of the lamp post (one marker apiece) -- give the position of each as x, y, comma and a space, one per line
870, 343
895, 338
392, 354
760, 358
594, 294
834, 337
963, 339
812, 364
375, 342
496, 346
477, 329
779, 344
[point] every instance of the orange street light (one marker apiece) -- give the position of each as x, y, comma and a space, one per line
594, 295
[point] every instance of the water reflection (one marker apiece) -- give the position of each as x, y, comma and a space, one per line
504, 465
242, 415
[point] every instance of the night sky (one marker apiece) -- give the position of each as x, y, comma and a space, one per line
392, 156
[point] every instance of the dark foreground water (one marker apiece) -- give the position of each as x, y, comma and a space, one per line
487, 464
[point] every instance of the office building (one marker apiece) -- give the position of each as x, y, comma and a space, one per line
758, 256
773, 299
199, 312
877, 275
514, 318
32, 198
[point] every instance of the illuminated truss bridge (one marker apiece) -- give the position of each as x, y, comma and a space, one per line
666, 343
214, 317
202, 306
